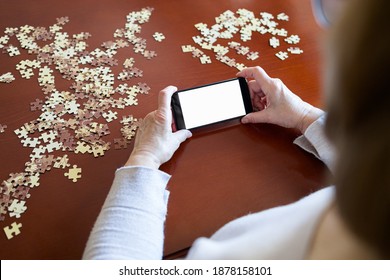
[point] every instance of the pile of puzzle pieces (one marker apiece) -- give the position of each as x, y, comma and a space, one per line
244, 23
76, 119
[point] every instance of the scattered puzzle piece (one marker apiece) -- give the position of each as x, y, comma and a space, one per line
159, 37
110, 116
7, 78
295, 50
149, 54
82, 147
129, 62
21, 192
120, 143
4, 39
143, 88
62, 162
293, 39
282, 55
34, 180
204, 59
97, 151
13, 51
30, 142
187, 48
36, 105
274, 42
13, 230
27, 74
282, 16
17, 208
2, 128
252, 56
73, 173
197, 53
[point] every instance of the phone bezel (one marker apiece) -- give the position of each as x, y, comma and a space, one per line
178, 113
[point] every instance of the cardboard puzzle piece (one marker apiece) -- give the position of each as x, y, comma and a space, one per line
197, 53
282, 55
36, 105
7, 78
53, 146
204, 59
158, 36
243, 50
3, 212
143, 88
34, 180
110, 116
62, 162
21, 192
73, 173
17, 208
293, 39
48, 136
17, 179
282, 16
149, 54
21, 132
120, 143
295, 50
129, 62
187, 48
30, 142
98, 150
27, 73
4, 39
2, 128
130, 125
274, 42
13, 51
82, 147
13, 230
252, 56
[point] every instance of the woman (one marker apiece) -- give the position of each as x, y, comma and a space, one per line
348, 221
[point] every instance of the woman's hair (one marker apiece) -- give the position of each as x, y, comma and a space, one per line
358, 123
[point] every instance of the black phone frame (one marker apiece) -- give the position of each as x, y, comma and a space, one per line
178, 113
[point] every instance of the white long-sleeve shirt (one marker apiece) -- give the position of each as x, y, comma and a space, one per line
131, 222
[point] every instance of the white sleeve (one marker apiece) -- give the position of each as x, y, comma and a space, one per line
131, 222
315, 142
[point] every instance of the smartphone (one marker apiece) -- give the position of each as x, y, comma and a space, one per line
212, 103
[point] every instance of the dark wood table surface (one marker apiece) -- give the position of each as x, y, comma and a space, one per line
216, 176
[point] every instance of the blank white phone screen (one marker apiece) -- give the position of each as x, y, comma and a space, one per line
210, 104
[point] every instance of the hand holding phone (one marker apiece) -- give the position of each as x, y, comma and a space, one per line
209, 104
155, 143
276, 103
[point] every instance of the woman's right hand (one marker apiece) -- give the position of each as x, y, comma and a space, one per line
155, 143
274, 103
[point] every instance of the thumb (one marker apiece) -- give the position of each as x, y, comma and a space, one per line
182, 135
256, 117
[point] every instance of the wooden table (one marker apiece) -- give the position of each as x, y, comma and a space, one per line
216, 176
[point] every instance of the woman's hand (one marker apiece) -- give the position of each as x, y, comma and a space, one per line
275, 103
155, 143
